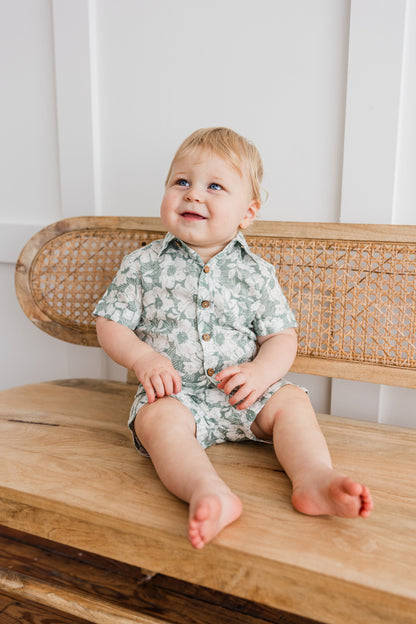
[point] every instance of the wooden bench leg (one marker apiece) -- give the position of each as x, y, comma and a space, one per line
91, 609
41, 581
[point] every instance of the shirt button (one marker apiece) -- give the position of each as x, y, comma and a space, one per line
210, 372
205, 304
206, 337
206, 269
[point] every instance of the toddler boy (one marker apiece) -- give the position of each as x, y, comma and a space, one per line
204, 325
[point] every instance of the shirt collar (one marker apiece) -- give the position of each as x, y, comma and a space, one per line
168, 241
171, 240
240, 240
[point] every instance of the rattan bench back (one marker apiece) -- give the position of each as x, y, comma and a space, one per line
352, 287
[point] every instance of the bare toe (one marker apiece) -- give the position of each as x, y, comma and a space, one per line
333, 494
366, 503
209, 515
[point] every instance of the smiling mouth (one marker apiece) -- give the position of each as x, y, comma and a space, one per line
192, 216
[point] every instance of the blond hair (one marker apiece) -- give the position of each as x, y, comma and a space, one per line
231, 147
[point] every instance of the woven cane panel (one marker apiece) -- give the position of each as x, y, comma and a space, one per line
71, 273
354, 301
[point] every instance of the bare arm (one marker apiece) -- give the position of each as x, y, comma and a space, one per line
154, 371
276, 355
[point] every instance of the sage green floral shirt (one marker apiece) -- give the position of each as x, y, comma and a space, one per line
204, 317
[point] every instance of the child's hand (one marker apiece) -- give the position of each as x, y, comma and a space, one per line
157, 376
246, 379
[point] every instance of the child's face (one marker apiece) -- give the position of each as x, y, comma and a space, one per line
206, 201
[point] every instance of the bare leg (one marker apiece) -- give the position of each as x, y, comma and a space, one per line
288, 418
167, 430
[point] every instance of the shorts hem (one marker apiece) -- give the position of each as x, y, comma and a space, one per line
205, 435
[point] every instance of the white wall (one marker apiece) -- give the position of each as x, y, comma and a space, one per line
97, 95
273, 70
379, 166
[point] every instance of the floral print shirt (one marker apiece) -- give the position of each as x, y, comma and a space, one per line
204, 317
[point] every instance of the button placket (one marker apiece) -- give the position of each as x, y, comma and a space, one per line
206, 322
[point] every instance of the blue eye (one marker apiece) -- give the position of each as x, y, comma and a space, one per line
182, 182
215, 187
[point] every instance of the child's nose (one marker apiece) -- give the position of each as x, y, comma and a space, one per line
193, 195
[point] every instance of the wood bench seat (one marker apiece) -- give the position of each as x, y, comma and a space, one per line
69, 474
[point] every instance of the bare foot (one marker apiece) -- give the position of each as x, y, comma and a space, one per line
209, 514
334, 495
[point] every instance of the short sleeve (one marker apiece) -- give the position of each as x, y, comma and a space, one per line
273, 313
122, 301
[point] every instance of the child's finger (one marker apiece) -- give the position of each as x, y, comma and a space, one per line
167, 383
238, 396
172, 381
177, 382
248, 401
241, 394
148, 388
158, 386
228, 383
227, 372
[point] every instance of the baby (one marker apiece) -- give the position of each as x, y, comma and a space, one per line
204, 325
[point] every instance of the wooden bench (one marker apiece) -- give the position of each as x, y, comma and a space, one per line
74, 490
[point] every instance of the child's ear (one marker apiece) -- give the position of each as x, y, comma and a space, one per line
251, 214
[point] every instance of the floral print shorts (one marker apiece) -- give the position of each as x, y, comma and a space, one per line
216, 420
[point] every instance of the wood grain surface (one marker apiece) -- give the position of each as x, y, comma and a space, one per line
123, 586
69, 473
